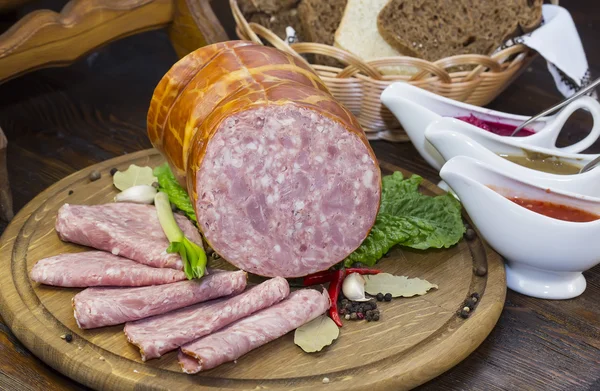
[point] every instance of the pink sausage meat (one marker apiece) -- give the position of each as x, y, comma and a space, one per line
98, 307
125, 229
241, 337
99, 268
157, 335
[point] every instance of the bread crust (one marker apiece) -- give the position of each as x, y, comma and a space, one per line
433, 30
320, 20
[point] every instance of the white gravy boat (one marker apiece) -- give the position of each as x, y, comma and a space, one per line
450, 144
417, 108
545, 257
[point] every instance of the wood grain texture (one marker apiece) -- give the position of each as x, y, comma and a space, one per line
46, 38
61, 120
417, 338
194, 25
6, 208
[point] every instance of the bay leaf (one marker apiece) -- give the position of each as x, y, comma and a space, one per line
398, 286
316, 334
133, 176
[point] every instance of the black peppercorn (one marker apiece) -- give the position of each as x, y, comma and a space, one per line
475, 296
470, 234
464, 314
470, 302
70, 192
342, 311
379, 296
95, 175
348, 307
68, 337
369, 317
353, 316
113, 171
376, 317
387, 297
155, 185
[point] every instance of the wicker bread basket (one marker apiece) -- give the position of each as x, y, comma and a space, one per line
360, 84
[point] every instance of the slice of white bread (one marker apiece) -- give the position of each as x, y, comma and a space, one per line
358, 34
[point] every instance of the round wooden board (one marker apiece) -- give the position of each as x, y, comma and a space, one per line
415, 340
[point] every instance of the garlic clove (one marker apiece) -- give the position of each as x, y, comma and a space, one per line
353, 287
141, 194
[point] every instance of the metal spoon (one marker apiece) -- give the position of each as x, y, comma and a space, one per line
558, 106
590, 165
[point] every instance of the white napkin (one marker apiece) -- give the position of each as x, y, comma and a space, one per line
558, 42
290, 35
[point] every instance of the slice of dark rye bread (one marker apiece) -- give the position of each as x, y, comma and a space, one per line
320, 19
278, 22
435, 29
270, 7
275, 15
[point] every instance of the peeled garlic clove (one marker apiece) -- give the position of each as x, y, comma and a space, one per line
354, 287
141, 194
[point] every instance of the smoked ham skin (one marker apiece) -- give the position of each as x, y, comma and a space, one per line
208, 92
222, 79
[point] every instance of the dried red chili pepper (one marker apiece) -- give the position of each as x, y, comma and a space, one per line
334, 292
319, 278
362, 270
327, 275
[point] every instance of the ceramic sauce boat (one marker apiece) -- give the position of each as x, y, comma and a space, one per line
417, 108
506, 146
451, 144
545, 256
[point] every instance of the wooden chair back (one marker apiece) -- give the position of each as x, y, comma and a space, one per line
46, 38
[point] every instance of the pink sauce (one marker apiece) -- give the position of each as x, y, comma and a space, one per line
496, 127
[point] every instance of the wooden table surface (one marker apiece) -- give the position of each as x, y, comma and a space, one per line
61, 120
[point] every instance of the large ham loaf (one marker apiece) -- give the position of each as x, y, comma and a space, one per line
243, 336
162, 333
99, 307
283, 179
99, 268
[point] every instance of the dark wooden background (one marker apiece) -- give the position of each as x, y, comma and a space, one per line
61, 120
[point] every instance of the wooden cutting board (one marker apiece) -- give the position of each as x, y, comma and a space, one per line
415, 340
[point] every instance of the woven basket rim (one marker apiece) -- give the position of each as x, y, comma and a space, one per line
496, 63
469, 78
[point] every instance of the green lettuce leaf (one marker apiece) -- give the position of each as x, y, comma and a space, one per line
408, 218
178, 196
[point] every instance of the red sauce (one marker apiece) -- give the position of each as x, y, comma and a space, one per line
556, 211
496, 127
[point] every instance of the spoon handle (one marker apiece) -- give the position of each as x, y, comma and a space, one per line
557, 106
590, 165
